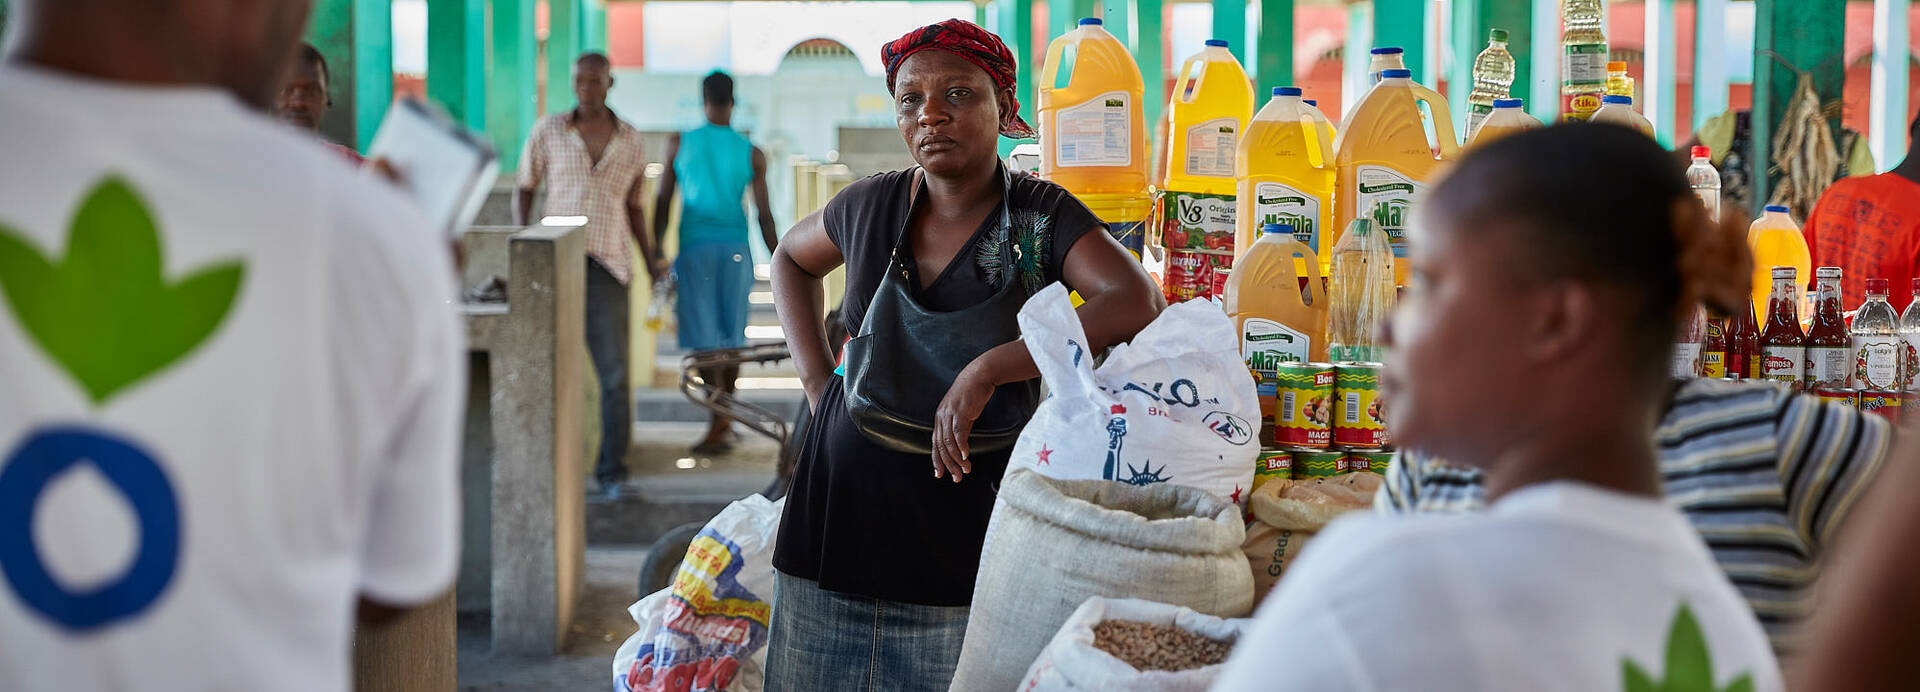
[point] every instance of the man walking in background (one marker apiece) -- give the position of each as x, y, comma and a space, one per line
304, 98
712, 167
227, 420
1869, 227
591, 163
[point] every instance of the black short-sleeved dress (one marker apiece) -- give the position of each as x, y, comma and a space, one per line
865, 520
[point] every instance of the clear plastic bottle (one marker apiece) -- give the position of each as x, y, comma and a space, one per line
1583, 67
1910, 333
1619, 83
1705, 181
1385, 58
1360, 292
1492, 79
1879, 353
1619, 111
660, 309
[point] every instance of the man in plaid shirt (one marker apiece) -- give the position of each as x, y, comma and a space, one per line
591, 163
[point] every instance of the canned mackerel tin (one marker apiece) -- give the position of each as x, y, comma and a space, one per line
1883, 403
1373, 460
1845, 396
1272, 464
1318, 463
1303, 405
1358, 420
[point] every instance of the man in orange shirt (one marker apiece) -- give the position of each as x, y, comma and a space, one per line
1869, 226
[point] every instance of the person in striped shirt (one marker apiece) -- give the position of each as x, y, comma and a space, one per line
1764, 474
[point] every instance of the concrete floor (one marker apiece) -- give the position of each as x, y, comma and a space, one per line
586, 663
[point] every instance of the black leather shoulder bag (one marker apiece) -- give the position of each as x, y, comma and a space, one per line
906, 357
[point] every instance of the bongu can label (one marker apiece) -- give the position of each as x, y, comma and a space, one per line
1303, 405
1358, 417
1318, 463
1272, 463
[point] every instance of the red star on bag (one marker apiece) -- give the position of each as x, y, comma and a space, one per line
1236, 494
1046, 456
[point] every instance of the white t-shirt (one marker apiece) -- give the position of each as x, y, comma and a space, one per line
1558, 586
198, 482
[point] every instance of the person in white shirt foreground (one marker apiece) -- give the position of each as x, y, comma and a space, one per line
1534, 344
231, 371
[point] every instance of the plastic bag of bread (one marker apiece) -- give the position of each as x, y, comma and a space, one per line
1288, 512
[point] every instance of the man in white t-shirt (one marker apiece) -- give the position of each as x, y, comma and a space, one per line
1533, 343
232, 367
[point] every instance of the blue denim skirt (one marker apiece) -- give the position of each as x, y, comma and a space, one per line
824, 640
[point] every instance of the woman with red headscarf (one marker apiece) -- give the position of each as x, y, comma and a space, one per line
878, 547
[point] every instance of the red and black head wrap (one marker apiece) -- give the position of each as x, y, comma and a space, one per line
973, 44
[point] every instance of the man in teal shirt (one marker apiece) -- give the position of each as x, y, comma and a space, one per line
712, 166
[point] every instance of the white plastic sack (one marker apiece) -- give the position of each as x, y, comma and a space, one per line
708, 632
1176, 405
1070, 662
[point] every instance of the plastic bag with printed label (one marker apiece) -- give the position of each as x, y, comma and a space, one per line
1177, 405
708, 632
1071, 662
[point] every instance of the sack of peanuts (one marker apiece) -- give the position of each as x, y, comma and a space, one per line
1176, 405
1288, 512
1052, 544
1128, 644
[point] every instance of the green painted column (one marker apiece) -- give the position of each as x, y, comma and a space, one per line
1471, 22
1272, 49
1657, 93
356, 36
1012, 21
510, 78
1064, 15
563, 46
1808, 34
1117, 15
1401, 23
457, 59
593, 26
1150, 54
1230, 23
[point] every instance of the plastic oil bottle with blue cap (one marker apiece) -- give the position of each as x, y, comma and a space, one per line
1093, 131
1382, 59
1279, 314
1618, 110
1509, 117
1395, 140
1206, 115
1286, 174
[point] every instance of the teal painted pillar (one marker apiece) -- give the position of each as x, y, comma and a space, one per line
1887, 119
457, 59
1117, 15
1470, 24
1354, 81
1272, 49
1809, 35
1064, 15
593, 26
1230, 24
1012, 21
980, 13
1402, 23
1657, 77
1543, 94
563, 46
510, 78
1150, 55
1709, 60
356, 37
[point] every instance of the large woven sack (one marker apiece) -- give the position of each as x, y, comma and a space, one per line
1071, 663
1052, 544
1282, 525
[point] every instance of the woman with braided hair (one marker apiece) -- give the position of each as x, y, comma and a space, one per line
878, 547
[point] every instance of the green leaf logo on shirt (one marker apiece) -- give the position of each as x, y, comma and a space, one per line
1689, 664
105, 313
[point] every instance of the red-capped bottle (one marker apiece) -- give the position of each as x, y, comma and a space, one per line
1829, 347
1713, 346
1783, 347
1743, 344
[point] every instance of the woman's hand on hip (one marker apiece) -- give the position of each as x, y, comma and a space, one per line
953, 421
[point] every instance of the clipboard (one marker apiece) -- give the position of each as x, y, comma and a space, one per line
447, 170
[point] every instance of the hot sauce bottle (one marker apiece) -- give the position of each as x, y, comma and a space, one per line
1783, 347
1829, 347
1743, 344
1713, 346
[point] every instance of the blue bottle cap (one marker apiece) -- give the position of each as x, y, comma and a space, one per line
1628, 100
1217, 42
1509, 103
1286, 91
1310, 102
1388, 50
1778, 208
1273, 228
1091, 21
1396, 74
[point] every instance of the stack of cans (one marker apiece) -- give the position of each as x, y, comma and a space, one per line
1328, 420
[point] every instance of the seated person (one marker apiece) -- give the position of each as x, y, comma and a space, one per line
1533, 344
